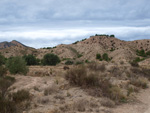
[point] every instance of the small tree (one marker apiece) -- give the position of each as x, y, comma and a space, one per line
50, 59
30, 59
98, 56
17, 65
105, 57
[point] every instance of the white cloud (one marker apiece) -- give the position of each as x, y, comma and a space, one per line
48, 37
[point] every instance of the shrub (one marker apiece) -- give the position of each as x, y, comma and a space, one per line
148, 53
50, 90
3, 71
30, 60
17, 65
105, 57
98, 56
50, 59
79, 62
69, 62
134, 64
79, 76
21, 96
141, 53
97, 67
2, 59
112, 35
108, 103
7, 106
140, 82
80, 55
5, 83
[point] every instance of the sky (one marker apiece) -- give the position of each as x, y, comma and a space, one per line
47, 23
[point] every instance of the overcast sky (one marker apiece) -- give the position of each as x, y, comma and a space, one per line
44, 23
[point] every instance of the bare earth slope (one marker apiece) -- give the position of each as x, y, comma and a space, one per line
82, 50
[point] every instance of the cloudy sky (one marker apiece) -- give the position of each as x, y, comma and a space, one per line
45, 23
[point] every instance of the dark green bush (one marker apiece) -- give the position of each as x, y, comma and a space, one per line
69, 62
21, 96
98, 56
50, 59
17, 65
112, 35
105, 57
30, 60
3, 71
141, 53
2, 59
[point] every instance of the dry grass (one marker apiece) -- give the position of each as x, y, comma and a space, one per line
107, 103
50, 90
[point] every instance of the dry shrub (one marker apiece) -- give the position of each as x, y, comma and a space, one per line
140, 82
43, 100
97, 67
79, 76
108, 103
21, 96
116, 94
50, 90
80, 105
7, 106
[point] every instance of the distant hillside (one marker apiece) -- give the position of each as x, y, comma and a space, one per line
83, 50
11, 44
15, 48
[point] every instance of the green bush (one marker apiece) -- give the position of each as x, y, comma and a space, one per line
50, 59
112, 35
69, 62
105, 57
141, 53
17, 65
21, 96
98, 56
148, 53
2, 59
3, 71
31, 60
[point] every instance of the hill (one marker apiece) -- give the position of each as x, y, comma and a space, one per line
86, 49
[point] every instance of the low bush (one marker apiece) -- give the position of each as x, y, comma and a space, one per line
79, 76
7, 106
3, 71
2, 59
51, 89
140, 82
97, 67
21, 96
69, 62
5, 83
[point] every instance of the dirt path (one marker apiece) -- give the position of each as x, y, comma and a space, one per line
141, 106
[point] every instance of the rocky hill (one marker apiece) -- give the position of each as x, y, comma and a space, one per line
15, 48
83, 50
